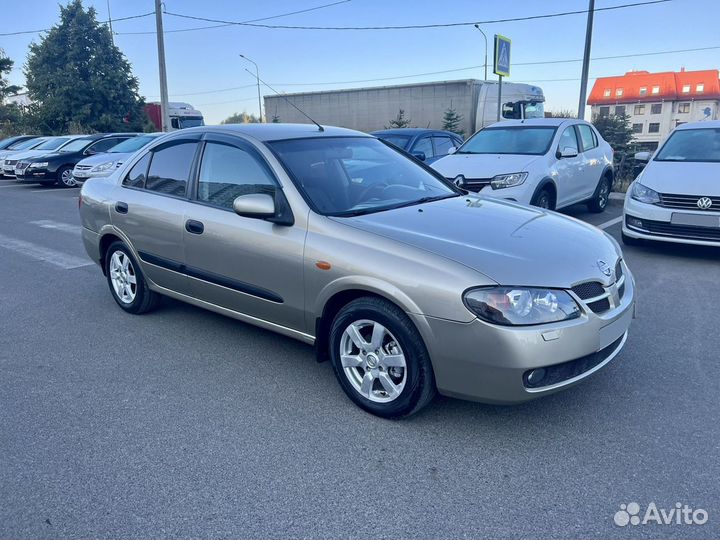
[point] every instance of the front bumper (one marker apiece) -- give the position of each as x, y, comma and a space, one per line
657, 225
9, 171
34, 175
490, 363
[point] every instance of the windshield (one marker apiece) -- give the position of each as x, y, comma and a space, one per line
53, 143
692, 145
24, 145
76, 145
510, 140
400, 141
132, 145
191, 121
534, 109
344, 176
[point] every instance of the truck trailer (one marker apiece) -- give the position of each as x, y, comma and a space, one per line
424, 104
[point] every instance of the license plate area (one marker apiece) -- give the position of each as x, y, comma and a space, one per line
695, 220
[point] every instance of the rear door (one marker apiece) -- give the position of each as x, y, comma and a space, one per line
593, 164
150, 207
244, 264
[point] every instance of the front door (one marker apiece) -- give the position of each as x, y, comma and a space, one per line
244, 264
569, 180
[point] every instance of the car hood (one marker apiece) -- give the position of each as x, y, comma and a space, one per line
482, 165
682, 178
509, 243
99, 159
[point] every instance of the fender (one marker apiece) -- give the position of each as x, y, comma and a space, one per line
544, 182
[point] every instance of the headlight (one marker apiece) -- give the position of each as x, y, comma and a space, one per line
644, 194
508, 180
39, 165
103, 167
519, 306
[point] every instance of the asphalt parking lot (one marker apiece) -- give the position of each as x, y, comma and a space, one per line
184, 423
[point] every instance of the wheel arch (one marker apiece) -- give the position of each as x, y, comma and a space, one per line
546, 182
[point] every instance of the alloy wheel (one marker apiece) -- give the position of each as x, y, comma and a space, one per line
123, 277
373, 361
67, 179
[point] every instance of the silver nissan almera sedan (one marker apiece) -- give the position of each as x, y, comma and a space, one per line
406, 283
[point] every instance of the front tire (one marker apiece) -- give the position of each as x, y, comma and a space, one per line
544, 199
380, 359
127, 282
600, 199
65, 177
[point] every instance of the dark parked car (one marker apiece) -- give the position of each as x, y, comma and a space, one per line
57, 167
427, 145
7, 143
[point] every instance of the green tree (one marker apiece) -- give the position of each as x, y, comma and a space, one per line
399, 121
77, 77
241, 118
10, 115
617, 131
451, 121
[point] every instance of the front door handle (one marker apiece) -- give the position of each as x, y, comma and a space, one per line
193, 226
121, 207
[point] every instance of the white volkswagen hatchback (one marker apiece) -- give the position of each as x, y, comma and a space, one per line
676, 198
545, 162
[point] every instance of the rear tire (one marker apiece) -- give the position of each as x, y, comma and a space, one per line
65, 178
600, 198
127, 282
630, 241
379, 358
544, 199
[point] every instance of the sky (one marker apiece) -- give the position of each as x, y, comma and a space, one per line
204, 67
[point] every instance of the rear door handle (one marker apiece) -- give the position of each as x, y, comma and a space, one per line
121, 207
193, 226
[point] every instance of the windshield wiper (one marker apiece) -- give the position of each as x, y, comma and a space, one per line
422, 200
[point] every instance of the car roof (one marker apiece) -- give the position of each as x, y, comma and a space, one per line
276, 132
409, 131
544, 122
706, 124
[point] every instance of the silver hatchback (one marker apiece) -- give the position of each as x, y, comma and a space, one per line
406, 283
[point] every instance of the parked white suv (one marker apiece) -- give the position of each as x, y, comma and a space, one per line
546, 162
676, 198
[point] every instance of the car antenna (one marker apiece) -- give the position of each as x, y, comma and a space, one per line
320, 128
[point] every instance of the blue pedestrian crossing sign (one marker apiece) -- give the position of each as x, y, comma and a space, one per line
502, 56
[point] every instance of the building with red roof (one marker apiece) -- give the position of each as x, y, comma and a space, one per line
658, 102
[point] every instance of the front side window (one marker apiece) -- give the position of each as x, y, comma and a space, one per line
423, 145
442, 145
226, 172
587, 136
346, 176
170, 168
568, 139
103, 145
78, 145
138, 174
510, 140
700, 145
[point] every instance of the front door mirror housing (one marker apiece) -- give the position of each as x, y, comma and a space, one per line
264, 202
419, 155
451, 150
568, 152
642, 156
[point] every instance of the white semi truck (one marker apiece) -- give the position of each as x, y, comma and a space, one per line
424, 104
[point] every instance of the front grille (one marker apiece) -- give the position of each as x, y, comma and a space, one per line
83, 167
687, 202
688, 232
600, 306
473, 184
590, 289
573, 368
11, 161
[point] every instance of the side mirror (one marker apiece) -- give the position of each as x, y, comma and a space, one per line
642, 156
568, 152
255, 205
451, 150
89, 152
419, 155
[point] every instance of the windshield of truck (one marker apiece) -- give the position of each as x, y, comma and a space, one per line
53, 144
701, 145
530, 140
534, 109
191, 121
133, 144
350, 176
401, 141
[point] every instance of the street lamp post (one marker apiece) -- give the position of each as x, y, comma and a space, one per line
257, 79
483, 33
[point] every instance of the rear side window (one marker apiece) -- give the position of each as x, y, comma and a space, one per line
227, 172
587, 135
170, 169
137, 175
568, 139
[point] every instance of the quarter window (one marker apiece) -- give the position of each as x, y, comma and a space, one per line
587, 137
137, 175
170, 168
227, 172
568, 139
